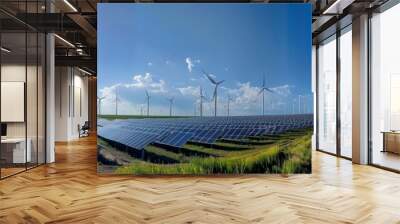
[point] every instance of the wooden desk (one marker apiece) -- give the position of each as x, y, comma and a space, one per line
13, 150
391, 141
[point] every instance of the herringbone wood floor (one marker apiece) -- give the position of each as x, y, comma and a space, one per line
70, 191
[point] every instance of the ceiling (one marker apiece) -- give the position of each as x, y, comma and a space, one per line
75, 21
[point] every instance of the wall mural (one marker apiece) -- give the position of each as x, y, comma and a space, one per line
204, 89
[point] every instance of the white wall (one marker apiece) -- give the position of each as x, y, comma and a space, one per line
62, 82
33, 126
16, 73
71, 102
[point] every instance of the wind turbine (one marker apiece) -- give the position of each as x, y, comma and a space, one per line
116, 100
229, 100
195, 109
215, 95
100, 99
148, 103
302, 103
263, 89
294, 105
171, 101
307, 101
202, 97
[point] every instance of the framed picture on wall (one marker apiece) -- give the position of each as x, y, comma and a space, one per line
204, 89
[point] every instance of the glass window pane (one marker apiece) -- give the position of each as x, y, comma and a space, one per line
327, 96
346, 94
31, 97
13, 86
385, 88
23, 87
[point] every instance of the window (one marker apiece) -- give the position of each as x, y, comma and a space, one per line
385, 88
346, 92
327, 95
22, 80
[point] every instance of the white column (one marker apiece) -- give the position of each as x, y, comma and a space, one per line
360, 90
50, 99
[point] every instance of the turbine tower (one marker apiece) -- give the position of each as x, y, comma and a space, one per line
263, 89
294, 106
202, 96
171, 102
229, 100
215, 95
100, 99
300, 101
116, 101
148, 103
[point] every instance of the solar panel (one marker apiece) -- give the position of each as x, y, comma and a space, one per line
133, 139
177, 138
138, 133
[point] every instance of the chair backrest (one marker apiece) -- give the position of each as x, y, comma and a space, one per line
86, 125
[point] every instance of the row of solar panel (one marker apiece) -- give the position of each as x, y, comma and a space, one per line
133, 139
189, 123
177, 138
138, 133
306, 119
140, 139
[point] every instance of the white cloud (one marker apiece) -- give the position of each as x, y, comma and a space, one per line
189, 91
147, 82
283, 90
247, 100
246, 94
149, 64
108, 92
191, 63
167, 62
125, 104
138, 82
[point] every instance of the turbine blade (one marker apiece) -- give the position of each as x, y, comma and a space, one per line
269, 90
211, 79
262, 90
263, 83
220, 82
215, 91
213, 95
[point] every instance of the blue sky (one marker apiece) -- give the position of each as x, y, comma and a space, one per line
162, 48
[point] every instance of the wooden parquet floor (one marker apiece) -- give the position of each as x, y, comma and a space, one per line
70, 191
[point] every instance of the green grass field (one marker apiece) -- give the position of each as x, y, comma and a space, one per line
286, 153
